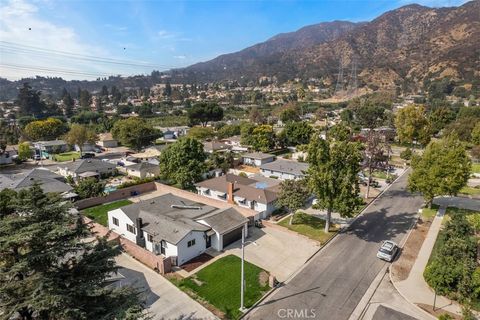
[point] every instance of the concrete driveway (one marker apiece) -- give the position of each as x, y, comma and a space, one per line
163, 299
277, 251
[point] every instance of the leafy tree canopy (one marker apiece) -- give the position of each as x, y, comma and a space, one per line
48, 129
135, 133
443, 169
202, 113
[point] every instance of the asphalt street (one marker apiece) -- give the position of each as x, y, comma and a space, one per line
334, 281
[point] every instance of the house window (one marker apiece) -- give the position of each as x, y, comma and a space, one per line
191, 243
115, 221
207, 192
131, 229
149, 238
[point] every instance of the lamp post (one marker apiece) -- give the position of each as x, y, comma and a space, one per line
242, 283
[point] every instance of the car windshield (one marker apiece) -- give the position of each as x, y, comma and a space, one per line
384, 250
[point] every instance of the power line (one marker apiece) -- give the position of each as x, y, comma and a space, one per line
27, 49
56, 70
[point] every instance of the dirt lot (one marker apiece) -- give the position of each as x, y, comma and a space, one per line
401, 268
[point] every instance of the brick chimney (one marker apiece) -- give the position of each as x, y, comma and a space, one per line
230, 188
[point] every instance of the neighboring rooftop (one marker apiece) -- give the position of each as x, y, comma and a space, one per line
286, 166
84, 165
48, 181
258, 155
262, 190
211, 146
142, 166
52, 143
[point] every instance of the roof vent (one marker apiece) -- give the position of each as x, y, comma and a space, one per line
176, 206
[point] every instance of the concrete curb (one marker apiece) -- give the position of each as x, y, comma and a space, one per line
322, 247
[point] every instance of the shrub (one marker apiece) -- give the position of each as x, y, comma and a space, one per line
135, 181
406, 154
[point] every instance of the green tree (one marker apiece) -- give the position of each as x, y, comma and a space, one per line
370, 116
201, 133
412, 125
85, 99
79, 135
476, 134
228, 130
255, 116
48, 269
263, 138
222, 161
183, 162
48, 129
89, 188
135, 133
68, 104
289, 114
246, 132
29, 101
443, 169
333, 176
440, 117
24, 151
298, 133
202, 113
293, 195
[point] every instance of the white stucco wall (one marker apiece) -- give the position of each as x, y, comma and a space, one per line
186, 253
279, 175
123, 220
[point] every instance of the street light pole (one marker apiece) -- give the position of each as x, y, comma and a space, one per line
242, 283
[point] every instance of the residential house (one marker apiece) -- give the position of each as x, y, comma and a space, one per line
150, 154
215, 146
170, 133
45, 148
143, 170
257, 192
235, 144
47, 180
177, 227
106, 140
7, 156
284, 169
85, 168
257, 159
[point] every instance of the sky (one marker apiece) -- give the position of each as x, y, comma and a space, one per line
87, 39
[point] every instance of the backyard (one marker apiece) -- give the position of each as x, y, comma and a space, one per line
66, 156
309, 226
218, 284
100, 213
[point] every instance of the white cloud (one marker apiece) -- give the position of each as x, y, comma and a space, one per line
164, 34
181, 57
21, 24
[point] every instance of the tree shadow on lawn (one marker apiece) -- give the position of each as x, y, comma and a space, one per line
377, 226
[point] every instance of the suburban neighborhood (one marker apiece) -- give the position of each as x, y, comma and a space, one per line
257, 185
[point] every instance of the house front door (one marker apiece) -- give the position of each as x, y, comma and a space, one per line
209, 241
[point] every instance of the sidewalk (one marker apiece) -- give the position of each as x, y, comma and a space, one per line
414, 288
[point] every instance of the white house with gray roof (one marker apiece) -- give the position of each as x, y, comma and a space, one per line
85, 168
257, 159
284, 169
177, 227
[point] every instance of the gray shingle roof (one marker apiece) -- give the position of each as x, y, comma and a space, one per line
142, 166
286, 166
261, 190
48, 181
225, 220
258, 155
84, 165
171, 218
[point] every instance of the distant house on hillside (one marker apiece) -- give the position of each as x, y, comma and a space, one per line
107, 141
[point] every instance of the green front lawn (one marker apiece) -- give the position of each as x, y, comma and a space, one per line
219, 285
100, 213
309, 226
471, 191
476, 167
66, 156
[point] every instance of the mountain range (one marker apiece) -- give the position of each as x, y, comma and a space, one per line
401, 48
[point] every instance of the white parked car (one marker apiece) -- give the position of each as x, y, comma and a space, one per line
387, 251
